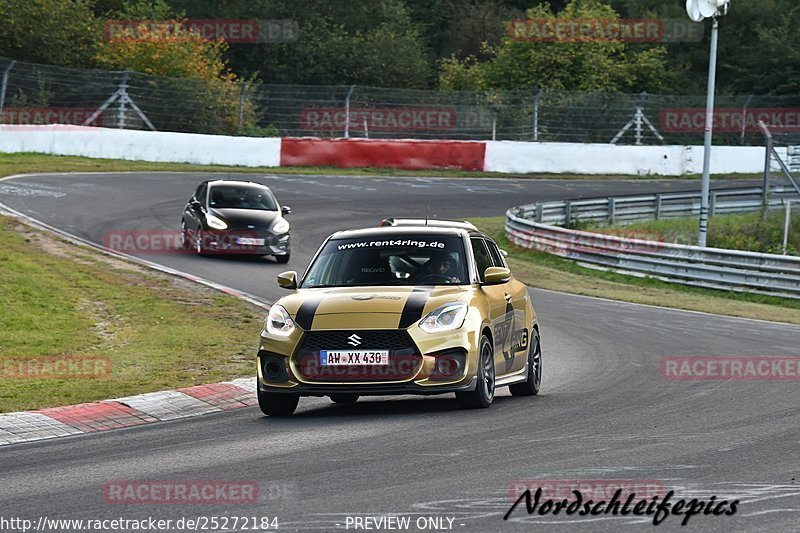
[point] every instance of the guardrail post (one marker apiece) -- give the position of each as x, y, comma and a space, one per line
5, 86
658, 206
347, 111
242, 90
612, 210
536, 99
567, 213
713, 206
767, 161
539, 213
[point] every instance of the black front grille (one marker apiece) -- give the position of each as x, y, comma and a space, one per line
404, 358
392, 340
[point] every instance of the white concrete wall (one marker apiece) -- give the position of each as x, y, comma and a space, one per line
501, 156
560, 158
134, 145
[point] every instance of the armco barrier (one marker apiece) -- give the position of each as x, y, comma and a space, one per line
499, 156
653, 206
776, 275
410, 155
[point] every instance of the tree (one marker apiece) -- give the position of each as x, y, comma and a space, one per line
59, 32
369, 42
595, 65
166, 48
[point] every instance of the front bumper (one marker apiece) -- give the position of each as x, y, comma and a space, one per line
228, 242
393, 389
432, 364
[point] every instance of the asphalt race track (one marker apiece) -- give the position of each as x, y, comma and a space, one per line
604, 413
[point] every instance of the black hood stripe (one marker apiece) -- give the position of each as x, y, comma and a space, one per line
412, 311
305, 315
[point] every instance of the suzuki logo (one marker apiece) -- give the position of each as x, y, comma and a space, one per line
354, 340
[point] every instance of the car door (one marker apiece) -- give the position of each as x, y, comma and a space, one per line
499, 306
515, 295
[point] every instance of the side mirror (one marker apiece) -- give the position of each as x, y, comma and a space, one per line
286, 210
503, 253
288, 279
496, 275
195, 204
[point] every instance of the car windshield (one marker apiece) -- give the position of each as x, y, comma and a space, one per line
395, 260
241, 197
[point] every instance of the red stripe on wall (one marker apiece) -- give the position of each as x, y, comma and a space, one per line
410, 155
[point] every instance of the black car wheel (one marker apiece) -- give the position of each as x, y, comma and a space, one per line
198, 242
531, 386
344, 398
186, 241
277, 404
282, 259
483, 394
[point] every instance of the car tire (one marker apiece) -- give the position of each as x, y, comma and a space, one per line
186, 241
344, 398
277, 404
282, 259
482, 396
198, 242
531, 386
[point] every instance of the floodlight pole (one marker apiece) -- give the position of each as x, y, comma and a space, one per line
709, 130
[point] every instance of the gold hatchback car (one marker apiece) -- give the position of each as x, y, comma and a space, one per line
408, 308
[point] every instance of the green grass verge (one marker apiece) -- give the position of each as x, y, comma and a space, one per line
749, 231
27, 163
538, 269
159, 331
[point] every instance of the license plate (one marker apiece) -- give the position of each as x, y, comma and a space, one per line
250, 241
353, 357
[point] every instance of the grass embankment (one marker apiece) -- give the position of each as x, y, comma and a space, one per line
28, 163
750, 231
159, 332
538, 269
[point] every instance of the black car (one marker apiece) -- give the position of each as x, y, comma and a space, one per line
235, 217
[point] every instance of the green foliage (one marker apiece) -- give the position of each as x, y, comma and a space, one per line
591, 66
58, 32
253, 130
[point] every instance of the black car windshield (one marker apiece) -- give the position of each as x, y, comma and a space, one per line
391, 260
241, 197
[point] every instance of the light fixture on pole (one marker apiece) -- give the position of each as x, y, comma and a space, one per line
699, 10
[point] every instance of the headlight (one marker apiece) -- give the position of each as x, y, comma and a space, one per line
215, 222
279, 322
281, 226
446, 318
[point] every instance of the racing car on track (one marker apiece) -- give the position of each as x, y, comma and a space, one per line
404, 309
236, 217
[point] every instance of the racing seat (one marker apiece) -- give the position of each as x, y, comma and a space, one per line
371, 270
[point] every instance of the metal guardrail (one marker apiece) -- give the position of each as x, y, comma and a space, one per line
643, 207
536, 227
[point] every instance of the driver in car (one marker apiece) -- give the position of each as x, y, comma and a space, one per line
440, 265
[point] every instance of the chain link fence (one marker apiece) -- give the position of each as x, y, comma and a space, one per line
38, 94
